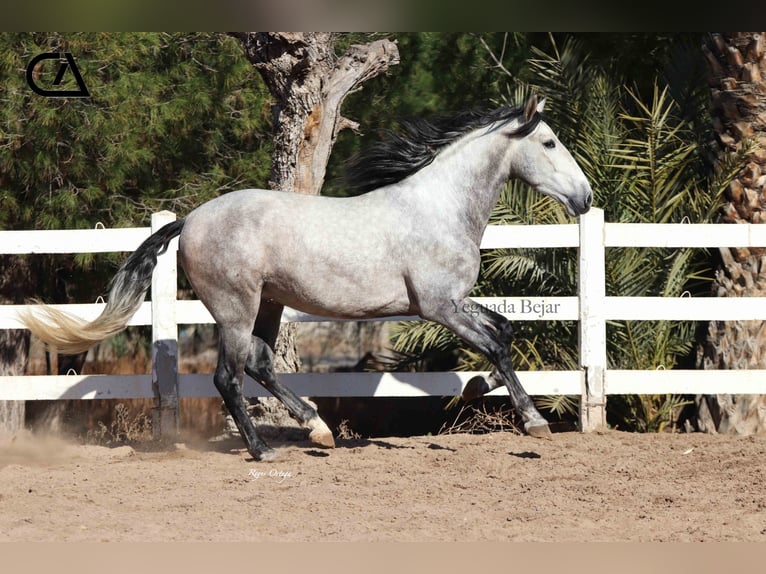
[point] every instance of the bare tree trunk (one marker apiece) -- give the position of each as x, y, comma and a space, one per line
14, 350
15, 278
309, 83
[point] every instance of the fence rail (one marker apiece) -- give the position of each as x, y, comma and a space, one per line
590, 307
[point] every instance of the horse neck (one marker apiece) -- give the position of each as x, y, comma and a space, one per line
466, 180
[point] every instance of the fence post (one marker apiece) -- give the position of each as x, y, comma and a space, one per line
591, 281
165, 416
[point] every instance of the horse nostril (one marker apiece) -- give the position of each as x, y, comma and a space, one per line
588, 200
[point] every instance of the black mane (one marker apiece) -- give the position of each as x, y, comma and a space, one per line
409, 149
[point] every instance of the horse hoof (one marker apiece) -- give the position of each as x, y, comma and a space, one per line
476, 387
264, 455
320, 434
539, 431
322, 438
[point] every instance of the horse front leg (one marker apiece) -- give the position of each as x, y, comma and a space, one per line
491, 334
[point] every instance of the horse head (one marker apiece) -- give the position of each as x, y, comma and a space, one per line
542, 161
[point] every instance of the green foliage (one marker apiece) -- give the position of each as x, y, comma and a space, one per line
646, 163
662, 182
645, 413
172, 121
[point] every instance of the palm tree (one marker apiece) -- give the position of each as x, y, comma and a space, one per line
737, 64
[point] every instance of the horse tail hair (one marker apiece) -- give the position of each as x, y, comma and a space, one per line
71, 335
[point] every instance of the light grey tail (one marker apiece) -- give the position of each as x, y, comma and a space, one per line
71, 335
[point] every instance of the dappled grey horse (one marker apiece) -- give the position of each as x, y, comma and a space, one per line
409, 246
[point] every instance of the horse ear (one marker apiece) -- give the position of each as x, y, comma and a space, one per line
540, 106
530, 108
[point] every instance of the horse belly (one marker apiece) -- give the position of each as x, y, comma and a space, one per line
339, 295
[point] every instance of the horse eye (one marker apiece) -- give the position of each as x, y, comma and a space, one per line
550, 144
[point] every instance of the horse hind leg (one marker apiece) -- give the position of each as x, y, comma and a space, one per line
229, 378
479, 386
260, 366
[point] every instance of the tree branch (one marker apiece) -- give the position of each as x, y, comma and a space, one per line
309, 85
498, 60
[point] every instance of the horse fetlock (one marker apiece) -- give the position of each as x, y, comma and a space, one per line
255, 445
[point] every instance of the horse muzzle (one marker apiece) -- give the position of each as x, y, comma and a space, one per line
580, 204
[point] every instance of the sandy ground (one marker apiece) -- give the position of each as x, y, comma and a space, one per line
601, 487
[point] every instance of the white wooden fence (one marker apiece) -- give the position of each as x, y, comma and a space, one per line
590, 307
